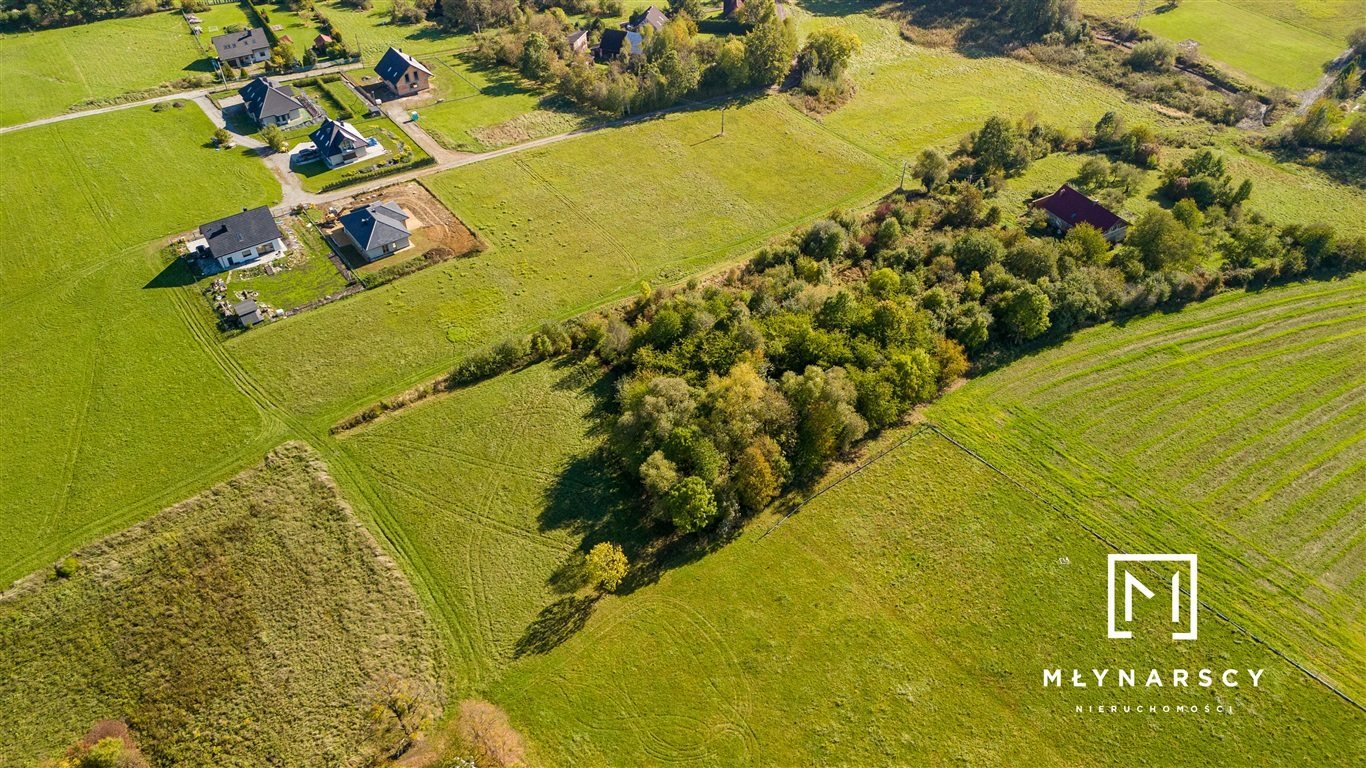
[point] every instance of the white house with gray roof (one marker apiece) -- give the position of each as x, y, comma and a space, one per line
377, 230
269, 104
339, 142
242, 49
241, 238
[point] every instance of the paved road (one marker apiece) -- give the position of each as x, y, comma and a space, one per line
180, 95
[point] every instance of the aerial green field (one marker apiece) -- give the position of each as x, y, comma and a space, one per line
1270, 50
902, 619
485, 108
47, 72
253, 619
373, 33
567, 231
114, 403
1331, 18
1233, 428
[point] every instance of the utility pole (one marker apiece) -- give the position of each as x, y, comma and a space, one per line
723, 121
901, 185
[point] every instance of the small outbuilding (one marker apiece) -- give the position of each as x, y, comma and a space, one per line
578, 41
242, 49
377, 230
405, 74
1067, 208
240, 238
339, 143
248, 313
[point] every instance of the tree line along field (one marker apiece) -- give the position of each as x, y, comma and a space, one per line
254, 619
1233, 429
116, 407
48, 71
566, 231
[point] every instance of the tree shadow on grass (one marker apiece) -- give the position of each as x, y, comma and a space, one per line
556, 623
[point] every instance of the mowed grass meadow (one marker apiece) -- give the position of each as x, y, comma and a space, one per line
115, 404
253, 620
1235, 429
46, 72
567, 231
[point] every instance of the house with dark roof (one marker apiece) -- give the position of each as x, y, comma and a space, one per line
239, 239
650, 17
578, 41
248, 313
339, 143
613, 41
1067, 208
405, 74
270, 104
242, 49
376, 230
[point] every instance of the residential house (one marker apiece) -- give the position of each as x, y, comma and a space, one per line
614, 40
239, 239
1067, 208
242, 49
339, 143
322, 42
650, 17
403, 73
578, 41
270, 104
377, 230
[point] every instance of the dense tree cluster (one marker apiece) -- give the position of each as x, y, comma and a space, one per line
672, 64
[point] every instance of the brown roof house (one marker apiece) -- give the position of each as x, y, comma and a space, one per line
377, 230
241, 49
403, 73
1067, 208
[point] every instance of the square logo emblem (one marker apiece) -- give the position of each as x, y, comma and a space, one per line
1178, 570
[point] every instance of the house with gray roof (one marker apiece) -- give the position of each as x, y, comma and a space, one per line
340, 142
242, 49
269, 104
405, 74
650, 17
239, 239
377, 230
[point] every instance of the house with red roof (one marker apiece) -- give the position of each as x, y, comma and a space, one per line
1067, 208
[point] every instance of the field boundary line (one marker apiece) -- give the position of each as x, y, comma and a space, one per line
930, 426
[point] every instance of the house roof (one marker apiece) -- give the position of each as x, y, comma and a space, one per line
613, 39
333, 136
240, 231
376, 225
577, 37
394, 63
1073, 208
263, 99
322, 40
244, 308
237, 44
652, 16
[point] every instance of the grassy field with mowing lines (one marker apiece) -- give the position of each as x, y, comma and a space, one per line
1265, 48
1331, 18
48, 71
903, 618
113, 403
567, 232
372, 32
1235, 428
466, 480
251, 620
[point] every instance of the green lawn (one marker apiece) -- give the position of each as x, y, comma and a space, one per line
116, 407
372, 32
45, 73
1235, 428
1333, 18
296, 29
252, 620
315, 176
1267, 49
307, 274
485, 107
567, 231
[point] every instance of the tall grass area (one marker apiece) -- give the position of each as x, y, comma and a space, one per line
902, 618
250, 621
114, 403
1233, 429
568, 229
48, 71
